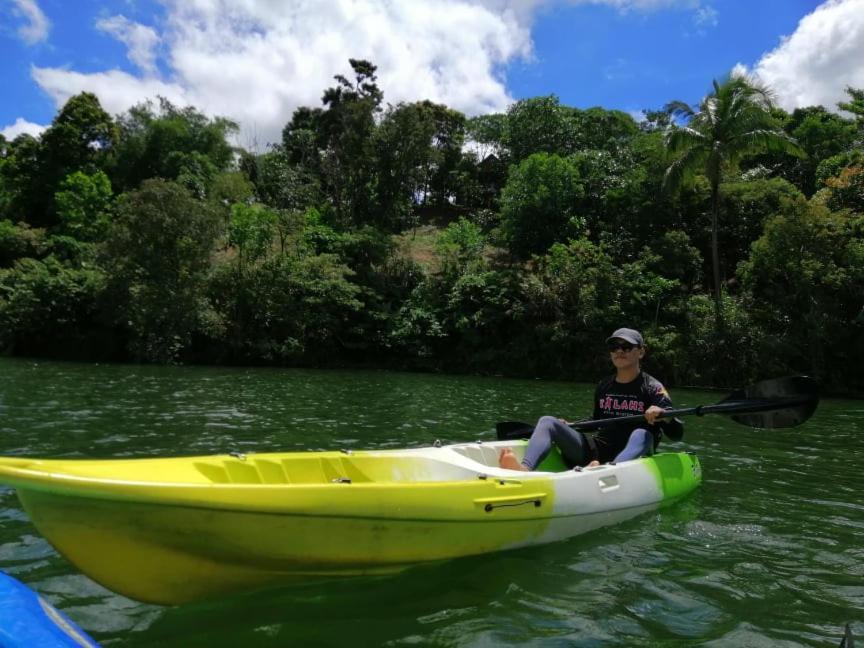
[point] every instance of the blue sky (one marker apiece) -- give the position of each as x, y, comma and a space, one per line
595, 55
257, 63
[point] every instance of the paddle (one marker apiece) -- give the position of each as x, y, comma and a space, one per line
776, 403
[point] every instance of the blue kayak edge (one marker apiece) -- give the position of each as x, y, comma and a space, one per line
28, 620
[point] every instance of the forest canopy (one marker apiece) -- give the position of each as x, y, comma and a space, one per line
413, 236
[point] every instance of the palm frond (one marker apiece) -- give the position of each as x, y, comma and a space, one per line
770, 141
732, 122
684, 168
679, 109
678, 138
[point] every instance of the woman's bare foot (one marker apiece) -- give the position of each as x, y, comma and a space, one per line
593, 463
506, 459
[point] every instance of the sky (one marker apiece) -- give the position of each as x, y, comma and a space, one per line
255, 61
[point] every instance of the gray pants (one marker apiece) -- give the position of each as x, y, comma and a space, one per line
574, 446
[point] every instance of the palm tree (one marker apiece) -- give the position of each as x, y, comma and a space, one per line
732, 122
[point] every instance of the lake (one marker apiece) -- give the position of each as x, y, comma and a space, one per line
768, 552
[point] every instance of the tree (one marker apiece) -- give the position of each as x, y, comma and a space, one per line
747, 205
402, 147
460, 245
538, 204
820, 134
603, 130
171, 143
486, 133
732, 122
158, 254
855, 105
805, 280
81, 138
17, 241
286, 309
250, 230
82, 204
347, 126
417, 147
539, 125
20, 172
284, 185
846, 191
303, 137
48, 308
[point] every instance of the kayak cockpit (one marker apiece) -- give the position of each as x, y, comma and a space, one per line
327, 468
447, 464
463, 462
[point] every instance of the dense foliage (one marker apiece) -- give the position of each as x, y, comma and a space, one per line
410, 236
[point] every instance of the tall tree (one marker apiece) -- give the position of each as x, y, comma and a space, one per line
539, 125
600, 129
81, 138
733, 122
417, 149
348, 124
171, 143
158, 254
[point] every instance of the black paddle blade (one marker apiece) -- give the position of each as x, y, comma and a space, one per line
777, 403
511, 430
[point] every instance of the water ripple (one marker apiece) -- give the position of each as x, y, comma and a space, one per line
767, 553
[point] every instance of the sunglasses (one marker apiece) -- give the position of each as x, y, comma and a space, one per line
626, 347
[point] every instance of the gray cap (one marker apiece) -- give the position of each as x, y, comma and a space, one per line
629, 335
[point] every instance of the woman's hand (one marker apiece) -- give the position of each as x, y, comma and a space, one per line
652, 413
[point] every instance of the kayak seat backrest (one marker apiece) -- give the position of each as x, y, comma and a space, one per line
483, 454
331, 469
488, 455
299, 470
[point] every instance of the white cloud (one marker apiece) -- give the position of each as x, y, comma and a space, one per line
139, 39
255, 61
823, 56
20, 127
705, 17
117, 90
740, 71
36, 29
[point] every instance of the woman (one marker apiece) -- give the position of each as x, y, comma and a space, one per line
630, 391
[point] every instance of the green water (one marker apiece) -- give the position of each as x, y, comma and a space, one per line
769, 552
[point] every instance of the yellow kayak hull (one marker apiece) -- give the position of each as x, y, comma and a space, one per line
176, 530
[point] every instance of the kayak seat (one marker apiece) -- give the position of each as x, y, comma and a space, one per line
327, 468
553, 462
488, 455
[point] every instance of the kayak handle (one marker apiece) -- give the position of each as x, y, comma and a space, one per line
491, 503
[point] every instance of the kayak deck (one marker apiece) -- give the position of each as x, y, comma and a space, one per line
449, 463
187, 528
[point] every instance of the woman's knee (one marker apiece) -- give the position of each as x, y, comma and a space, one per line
641, 434
644, 438
546, 424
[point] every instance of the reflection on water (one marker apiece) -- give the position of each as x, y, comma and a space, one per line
767, 553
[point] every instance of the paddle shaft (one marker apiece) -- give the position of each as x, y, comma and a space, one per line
775, 403
747, 406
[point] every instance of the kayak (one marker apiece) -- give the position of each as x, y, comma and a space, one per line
176, 530
28, 620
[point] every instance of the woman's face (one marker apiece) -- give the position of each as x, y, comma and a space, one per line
624, 354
